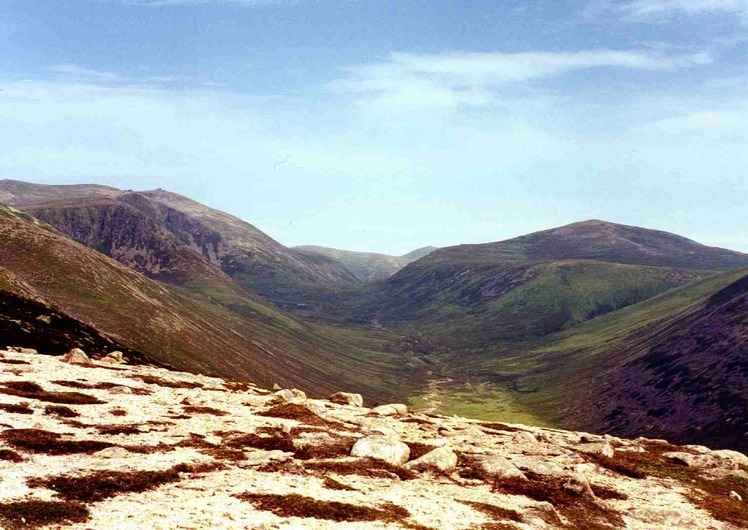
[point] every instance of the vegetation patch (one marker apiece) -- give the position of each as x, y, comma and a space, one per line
154, 380
9, 455
51, 443
580, 510
104, 385
295, 411
365, 467
336, 448
205, 410
274, 440
417, 449
60, 410
37, 513
606, 493
16, 408
501, 427
118, 412
711, 495
294, 505
497, 513
101, 485
30, 390
118, 429
13, 361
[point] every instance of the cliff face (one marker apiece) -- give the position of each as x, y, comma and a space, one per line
100, 445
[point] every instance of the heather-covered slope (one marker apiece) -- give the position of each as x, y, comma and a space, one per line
229, 332
367, 266
152, 231
685, 379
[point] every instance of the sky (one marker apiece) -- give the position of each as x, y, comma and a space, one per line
387, 126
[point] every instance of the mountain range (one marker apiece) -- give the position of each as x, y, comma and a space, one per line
593, 325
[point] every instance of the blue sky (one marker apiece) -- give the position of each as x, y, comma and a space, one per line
386, 126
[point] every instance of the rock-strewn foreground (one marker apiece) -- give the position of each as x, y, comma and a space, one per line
107, 445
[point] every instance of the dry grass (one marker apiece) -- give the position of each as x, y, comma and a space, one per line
8, 455
270, 440
205, 410
417, 449
365, 467
51, 443
295, 411
581, 511
335, 448
114, 430
16, 409
60, 411
294, 505
332, 484
101, 485
29, 390
25, 514
497, 513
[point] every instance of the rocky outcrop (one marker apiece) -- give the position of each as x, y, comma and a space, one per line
103, 445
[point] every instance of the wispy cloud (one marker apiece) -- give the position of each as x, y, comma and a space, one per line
168, 3
659, 10
470, 79
70, 72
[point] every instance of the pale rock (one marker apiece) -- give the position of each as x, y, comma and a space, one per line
735, 456
444, 459
113, 452
44, 318
578, 486
496, 466
346, 398
524, 438
298, 394
394, 409
285, 394
597, 448
214, 440
537, 466
315, 407
18, 349
707, 461
392, 451
735, 496
276, 386
258, 458
76, 356
386, 432
115, 357
120, 390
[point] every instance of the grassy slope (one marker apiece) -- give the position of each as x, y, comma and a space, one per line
541, 376
196, 329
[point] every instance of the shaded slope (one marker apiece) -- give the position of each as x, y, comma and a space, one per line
686, 378
238, 336
367, 266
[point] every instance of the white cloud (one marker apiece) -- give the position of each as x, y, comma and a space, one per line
70, 72
658, 10
462, 79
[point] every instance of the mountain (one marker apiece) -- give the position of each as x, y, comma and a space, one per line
224, 330
474, 295
158, 233
367, 266
685, 378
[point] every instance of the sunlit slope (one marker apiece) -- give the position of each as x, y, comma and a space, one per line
190, 329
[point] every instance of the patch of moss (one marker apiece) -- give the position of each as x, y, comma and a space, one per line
51, 443
30, 390
496, 512
365, 467
19, 515
295, 411
335, 448
294, 505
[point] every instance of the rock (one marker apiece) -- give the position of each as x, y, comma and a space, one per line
299, 394
76, 356
706, 461
345, 398
496, 466
113, 452
257, 458
597, 448
285, 394
115, 357
443, 459
735, 456
386, 432
537, 466
392, 451
524, 438
120, 390
394, 409
735, 496
578, 486
44, 318
276, 386
18, 349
